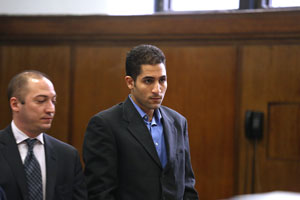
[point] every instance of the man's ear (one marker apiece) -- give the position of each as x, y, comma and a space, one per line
14, 104
129, 81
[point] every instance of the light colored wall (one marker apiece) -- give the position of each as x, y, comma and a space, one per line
76, 7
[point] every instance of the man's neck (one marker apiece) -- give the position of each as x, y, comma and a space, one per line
30, 134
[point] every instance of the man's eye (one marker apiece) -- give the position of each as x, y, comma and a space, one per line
162, 80
54, 102
40, 101
148, 81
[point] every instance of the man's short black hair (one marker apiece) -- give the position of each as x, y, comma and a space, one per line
143, 54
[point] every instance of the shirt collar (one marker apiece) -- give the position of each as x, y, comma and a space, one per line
156, 117
21, 136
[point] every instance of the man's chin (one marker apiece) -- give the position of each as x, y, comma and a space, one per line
45, 127
155, 106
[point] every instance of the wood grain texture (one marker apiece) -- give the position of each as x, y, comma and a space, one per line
201, 86
52, 60
98, 84
284, 131
238, 25
270, 74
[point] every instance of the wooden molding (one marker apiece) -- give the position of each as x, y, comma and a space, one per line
234, 25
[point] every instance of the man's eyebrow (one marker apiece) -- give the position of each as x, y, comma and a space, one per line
44, 96
41, 95
148, 77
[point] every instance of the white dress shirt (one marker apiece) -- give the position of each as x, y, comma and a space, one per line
38, 149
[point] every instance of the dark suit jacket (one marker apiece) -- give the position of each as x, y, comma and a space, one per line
64, 176
2, 194
121, 161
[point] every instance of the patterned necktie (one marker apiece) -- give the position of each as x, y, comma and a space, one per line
33, 173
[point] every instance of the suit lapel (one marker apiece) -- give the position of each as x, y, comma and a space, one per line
51, 167
170, 134
12, 155
139, 130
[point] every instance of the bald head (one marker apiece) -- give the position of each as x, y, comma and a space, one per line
18, 86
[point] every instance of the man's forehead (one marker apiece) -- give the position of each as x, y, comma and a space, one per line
151, 66
37, 80
151, 69
41, 87
40, 82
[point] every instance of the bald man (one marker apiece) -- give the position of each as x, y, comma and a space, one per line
35, 165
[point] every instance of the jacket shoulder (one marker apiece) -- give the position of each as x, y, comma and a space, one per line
58, 144
112, 110
171, 113
6, 134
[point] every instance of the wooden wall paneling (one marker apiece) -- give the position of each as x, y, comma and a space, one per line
270, 77
52, 60
98, 84
252, 62
284, 131
201, 86
202, 79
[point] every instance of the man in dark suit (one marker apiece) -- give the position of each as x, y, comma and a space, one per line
138, 149
34, 165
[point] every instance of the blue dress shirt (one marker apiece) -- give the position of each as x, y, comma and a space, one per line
155, 128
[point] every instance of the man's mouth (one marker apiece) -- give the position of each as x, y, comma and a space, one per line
47, 118
156, 98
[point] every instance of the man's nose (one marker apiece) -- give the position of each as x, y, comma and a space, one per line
50, 107
156, 88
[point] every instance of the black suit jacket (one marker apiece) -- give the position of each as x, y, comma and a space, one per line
121, 162
64, 177
2, 194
